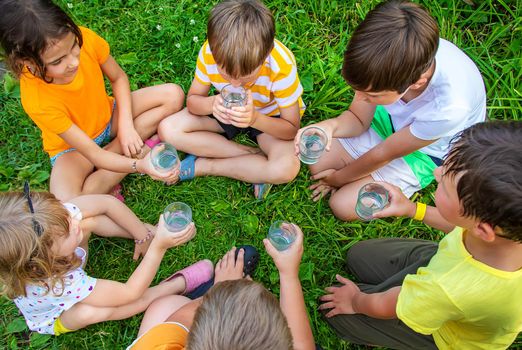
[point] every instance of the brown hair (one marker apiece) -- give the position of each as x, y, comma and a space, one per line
241, 35
25, 256
239, 315
488, 161
391, 48
28, 28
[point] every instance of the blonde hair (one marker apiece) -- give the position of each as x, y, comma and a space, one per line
241, 35
25, 256
239, 315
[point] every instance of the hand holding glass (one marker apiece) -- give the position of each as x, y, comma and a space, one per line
177, 216
164, 157
372, 198
281, 234
312, 144
233, 96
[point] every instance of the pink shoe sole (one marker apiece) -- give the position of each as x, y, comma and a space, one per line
116, 192
195, 275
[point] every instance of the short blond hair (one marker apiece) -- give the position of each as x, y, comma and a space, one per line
25, 256
239, 315
241, 35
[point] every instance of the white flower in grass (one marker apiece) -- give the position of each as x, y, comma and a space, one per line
160, 8
195, 39
192, 22
69, 5
158, 26
178, 45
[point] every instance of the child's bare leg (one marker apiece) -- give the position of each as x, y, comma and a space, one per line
336, 159
82, 315
160, 310
343, 201
279, 165
200, 135
150, 105
68, 175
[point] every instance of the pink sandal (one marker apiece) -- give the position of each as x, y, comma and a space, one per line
116, 192
195, 275
153, 141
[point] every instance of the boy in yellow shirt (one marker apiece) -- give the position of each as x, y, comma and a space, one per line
241, 50
462, 293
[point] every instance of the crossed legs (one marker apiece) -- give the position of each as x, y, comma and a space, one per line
73, 174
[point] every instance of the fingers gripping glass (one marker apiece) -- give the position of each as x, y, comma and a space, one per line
38, 229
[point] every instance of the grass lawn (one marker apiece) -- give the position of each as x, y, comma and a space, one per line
158, 41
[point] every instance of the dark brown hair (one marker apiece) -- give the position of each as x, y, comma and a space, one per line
28, 28
487, 158
241, 35
239, 315
26, 256
391, 48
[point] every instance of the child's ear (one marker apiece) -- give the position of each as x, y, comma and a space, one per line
29, 65
485, 231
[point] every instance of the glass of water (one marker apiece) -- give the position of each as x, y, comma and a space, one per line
233, 96
164, 157
312, 144
177, 216
372, 198
281, 234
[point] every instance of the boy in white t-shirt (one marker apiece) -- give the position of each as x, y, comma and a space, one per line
413, 92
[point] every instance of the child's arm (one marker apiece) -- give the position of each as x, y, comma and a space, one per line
400, 205
397, 145
291, 296
284, 128
111, 293
104, 159
95, 205
348, 299
130, 140
352, 122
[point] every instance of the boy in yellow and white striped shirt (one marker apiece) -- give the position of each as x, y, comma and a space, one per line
241, 50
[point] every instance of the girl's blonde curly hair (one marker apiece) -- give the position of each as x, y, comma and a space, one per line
26, 254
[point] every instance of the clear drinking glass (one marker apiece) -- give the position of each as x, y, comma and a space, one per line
233, 96
372, 198
177, 216
281, 234
312, 144
164, 157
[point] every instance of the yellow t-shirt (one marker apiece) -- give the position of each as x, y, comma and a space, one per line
55, 108
277, 84
462, 302
164, 336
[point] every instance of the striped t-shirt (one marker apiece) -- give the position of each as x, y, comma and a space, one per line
277, 84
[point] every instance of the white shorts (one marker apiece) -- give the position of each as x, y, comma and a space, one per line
397, 172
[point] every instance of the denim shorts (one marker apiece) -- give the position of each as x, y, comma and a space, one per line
103, 137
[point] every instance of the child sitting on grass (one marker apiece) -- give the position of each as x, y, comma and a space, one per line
241, 50
413, 92
463, 293
43, 254
61, 68
236, 313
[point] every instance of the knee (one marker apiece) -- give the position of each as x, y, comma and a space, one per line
357, 253
285, 171
170, 128
173, 98
341, 209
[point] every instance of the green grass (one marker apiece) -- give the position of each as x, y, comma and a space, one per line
157, 41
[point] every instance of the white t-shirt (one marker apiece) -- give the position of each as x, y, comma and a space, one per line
454, 99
